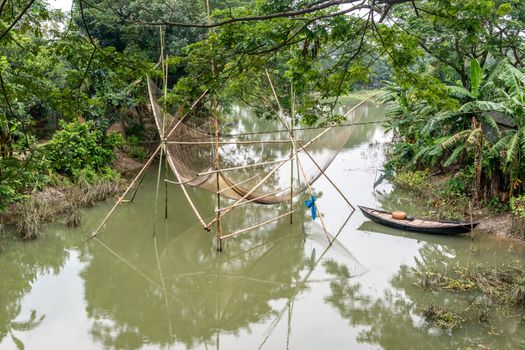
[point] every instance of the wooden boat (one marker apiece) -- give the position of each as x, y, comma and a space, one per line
417, 224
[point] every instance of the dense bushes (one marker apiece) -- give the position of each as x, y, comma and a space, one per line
76, 152
80, 149
461, 133
19, 176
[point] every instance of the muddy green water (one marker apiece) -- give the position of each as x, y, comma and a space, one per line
280, 287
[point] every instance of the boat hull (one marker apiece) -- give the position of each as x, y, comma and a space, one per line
434, 227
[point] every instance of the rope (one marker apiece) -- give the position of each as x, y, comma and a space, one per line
285, 130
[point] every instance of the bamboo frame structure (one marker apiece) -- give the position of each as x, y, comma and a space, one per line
276, 168
296, 148
293, 141
227, 142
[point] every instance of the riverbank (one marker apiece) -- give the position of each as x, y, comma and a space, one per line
62, 201
444, 195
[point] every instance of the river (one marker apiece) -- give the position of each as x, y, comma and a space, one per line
278, 287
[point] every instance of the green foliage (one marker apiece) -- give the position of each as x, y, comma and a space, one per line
412, 180
135, 149
459, 185
517, 205
20, 177
80, 150
497, 206
476, 76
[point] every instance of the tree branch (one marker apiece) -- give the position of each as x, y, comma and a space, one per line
18, 18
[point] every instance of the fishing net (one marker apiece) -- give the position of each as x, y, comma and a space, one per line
248, 168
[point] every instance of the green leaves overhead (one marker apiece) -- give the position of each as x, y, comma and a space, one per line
476, 76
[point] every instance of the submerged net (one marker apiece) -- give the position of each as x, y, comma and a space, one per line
243, 164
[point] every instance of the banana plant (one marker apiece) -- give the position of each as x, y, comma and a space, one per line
511, 147
475, 110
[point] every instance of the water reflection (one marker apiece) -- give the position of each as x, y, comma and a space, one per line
208, 294
276, 287
20, 270
393, 320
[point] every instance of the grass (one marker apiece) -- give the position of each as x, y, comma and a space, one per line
436, 193
33, 213
3, 238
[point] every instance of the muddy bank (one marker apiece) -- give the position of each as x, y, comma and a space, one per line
63, 203
435, 191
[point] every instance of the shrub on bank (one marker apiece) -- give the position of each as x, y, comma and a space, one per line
81, 149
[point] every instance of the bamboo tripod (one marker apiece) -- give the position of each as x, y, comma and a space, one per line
296, 147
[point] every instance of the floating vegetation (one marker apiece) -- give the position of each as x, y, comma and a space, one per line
504, 284
441, 318
460, 281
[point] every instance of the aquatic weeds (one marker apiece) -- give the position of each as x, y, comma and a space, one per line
29, 217
42, 208
441, 318
74, 218
504, 284
3, 238
434, 280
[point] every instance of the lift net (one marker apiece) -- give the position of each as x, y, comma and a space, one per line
191, 154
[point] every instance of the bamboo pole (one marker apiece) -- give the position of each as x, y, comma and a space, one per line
121, 198
210, 172
227, 142
252, 199
163, 132
292, 148
163, 151
292, 139
256, 226
217, 177
268, 176
155, 205
308, 153
217, 163
135, 191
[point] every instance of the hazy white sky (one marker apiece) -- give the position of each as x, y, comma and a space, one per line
65, 5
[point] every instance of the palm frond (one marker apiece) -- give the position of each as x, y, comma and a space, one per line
483, 106
454, 156
474, 136
501, 145
513, 149
476, 75
459, 92
454, 139
489, 121
510, 80
437, 121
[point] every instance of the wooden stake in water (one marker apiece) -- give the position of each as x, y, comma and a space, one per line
292, 148
217, 164
164, 140
217, 176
